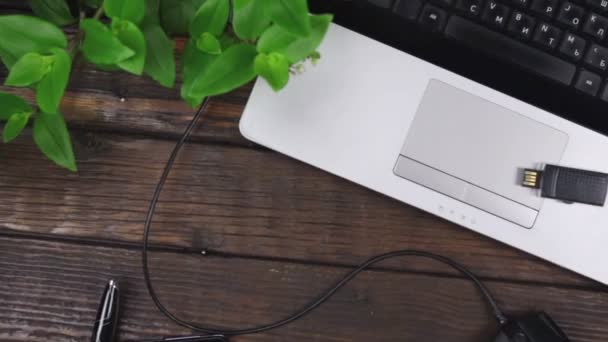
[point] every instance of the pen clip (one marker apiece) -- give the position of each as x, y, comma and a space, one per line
107, 315
109, 301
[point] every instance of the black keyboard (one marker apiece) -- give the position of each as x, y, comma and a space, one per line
551, 53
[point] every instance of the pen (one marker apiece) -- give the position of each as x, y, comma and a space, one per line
107, 316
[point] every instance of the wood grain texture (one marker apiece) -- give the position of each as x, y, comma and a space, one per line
238, 200
52, 293
120, 102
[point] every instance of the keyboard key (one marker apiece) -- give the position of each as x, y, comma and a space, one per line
597, 57
521, 25
573, 46
409, 9
509, 50
433, 18
571, 15
547, 8
496, 14
445, 3
596, 26
470, 8
588, 82
601, 5
547, 36
520, 3
604, 93
382, 3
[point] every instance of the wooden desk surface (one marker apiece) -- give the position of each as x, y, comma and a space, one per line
288, 231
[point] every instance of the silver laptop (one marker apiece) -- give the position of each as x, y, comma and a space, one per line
444, 143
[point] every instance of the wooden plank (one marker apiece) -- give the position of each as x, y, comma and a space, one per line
50, 291
119, 102
237, 200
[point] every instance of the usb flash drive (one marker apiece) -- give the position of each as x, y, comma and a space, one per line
568, 185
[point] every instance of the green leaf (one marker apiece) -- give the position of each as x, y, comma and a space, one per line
11, 104
211, 17
160, 60
228, 71
55, 11
176, 15
209, 44
28, 70
250, 18
51, 87
132, 37
291, 15
131, 10
227, 40
15, 125
52, 138
21, 34
152, 15
295, 48
100, 46
274, 68
194, 62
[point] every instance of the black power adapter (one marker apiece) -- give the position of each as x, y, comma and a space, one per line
537, 327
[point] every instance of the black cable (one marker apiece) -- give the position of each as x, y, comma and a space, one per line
500, 317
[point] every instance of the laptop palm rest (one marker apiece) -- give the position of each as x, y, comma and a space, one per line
474, 151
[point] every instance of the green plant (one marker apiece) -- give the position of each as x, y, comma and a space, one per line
230, 43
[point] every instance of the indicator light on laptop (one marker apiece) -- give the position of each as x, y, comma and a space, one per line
568, 185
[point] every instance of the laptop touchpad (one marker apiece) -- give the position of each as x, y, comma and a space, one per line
473, 150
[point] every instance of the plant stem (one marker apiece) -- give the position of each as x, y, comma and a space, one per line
99, 13
75, 43
77, 40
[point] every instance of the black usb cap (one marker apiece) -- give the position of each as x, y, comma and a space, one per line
568, 184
